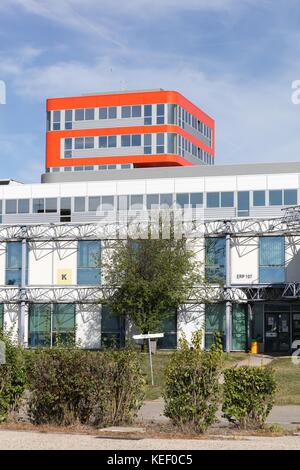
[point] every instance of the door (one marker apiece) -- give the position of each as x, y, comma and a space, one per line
295, 327
239, 327
277, 332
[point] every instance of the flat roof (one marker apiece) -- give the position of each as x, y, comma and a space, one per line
173, 172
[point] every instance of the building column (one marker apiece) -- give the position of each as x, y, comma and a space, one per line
228, 314
23, 289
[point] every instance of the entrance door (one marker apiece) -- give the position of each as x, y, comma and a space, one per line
295, 327
277, 332
239, 328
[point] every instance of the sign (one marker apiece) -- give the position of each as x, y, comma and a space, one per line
64, 277
149, 336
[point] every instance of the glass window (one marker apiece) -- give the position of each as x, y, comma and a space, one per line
160, 141
89, 142
166, 200
259, 198
13, 263
107, 203
136, 202
68, 144
89, 114
51, 204
126, 112
213, 199
79, 204
79, 114
94, 203
148, 110
147, 139
112, 141
68, 115
111, 167
214, 323
112, 328
271, 260
88, 262
123, 203
215, 255
11, 206
160, 109
102, 113
290, 197
125, 140
152, 201
227, 199
171, 142
39, 325
196, 200
182, 200
136, 140
56, 116
243, 204
79, 143
102, 141
275, 197
38, 206
112, 112
136, 111
169, 327
63, 324
23, 206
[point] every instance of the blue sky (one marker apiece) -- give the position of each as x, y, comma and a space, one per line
235, 58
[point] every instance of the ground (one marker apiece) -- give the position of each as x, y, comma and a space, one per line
288, 380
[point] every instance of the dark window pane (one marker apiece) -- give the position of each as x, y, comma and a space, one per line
107, 203
152, 201
243, 204
275, 197
51, 204
79, 143
213, 199
215, 251
147, 139
182, 199
68, 144
56, 116
112, 112
136, 111
89, 142
136, 202
90, 114
290, 197
11, 206
112, 141
126, 111
38, 206
125, 140
166, 200
79, 114
23, 206
136, 140
68, 115
227, 199
160, 109
65, 203
196, 200
148, 110
103, 142
88, 262
94, 203
103, 113
79, 204
39, 334
259, 198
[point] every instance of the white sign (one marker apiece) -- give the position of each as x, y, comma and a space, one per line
149, 336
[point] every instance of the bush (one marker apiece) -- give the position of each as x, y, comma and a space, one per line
12, 377
249, 394
71, 385
192, 387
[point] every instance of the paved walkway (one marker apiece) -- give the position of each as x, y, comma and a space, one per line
256, 360
287, 416
18, 440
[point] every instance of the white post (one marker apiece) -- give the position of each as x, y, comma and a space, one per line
150, 359
23, 289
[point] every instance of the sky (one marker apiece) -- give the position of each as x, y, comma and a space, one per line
236, 59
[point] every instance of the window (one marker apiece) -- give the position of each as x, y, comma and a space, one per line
112, 141
136, 202
79, 114
79, 204
136, 140
227, 198
50, 205
102, 141
214, 323
107, 203
126, 111
51, 325
169, 327
196, 200
88, 262
147, 143
160, 143
89, 142
23, 206
182, 200
215, 254
160, 114
166, 200
213, 199
123, 203
271, 260
136, 111
259, 198
102, 113
275, 197
65, 209
171, 142
125, 140
56, 120
79, 143
85, 114
11, 206
147, 114
38, 206
68, 144
152, 201
112, 112
13, 263
94, 203
290, 197
112, 328
243, 204
68, 118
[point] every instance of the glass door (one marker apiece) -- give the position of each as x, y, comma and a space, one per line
277, 332
239, 327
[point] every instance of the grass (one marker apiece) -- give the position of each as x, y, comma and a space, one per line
287, 376
160, 361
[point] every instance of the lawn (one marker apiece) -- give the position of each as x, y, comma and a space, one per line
288, 379
160, 361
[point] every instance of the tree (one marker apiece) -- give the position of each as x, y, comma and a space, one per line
148, 278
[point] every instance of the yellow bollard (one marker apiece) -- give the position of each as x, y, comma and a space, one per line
254, 347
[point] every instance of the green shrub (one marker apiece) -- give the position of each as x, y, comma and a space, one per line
71, 385
192, 387
12, 377
249, 394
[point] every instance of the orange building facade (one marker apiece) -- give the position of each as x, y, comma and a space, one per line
127, 130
